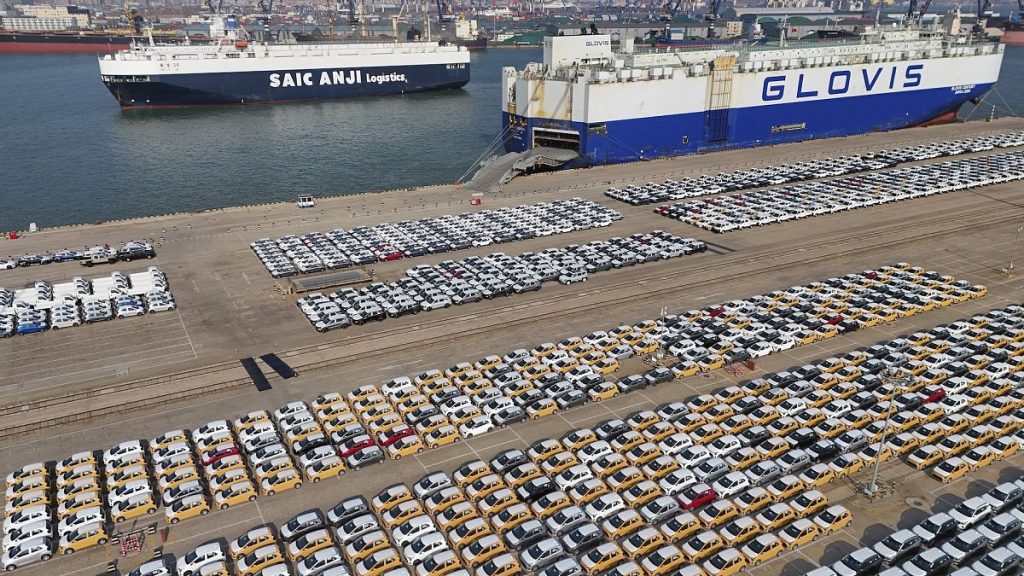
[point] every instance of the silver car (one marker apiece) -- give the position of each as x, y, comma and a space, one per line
26, 553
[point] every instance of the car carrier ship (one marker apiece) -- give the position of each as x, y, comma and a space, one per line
587, 105
235, 70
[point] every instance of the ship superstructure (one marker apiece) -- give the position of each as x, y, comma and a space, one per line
585, 104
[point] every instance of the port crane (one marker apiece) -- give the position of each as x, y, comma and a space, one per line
134, 18
670, 10
445, 12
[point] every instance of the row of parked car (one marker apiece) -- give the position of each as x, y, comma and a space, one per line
405, 415
763, 207
318, 251
40, 308
475, 278
654, 493
125, 253
980, 536
725, 182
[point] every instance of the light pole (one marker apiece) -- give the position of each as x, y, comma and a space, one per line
892, 377
1013, 252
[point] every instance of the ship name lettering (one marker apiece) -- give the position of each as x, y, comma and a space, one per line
841, 82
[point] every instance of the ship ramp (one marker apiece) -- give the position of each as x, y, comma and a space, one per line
501, 169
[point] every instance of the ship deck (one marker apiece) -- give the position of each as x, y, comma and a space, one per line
181, 369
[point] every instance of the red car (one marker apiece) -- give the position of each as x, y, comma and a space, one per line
932, 394
355, 445
389, 256
836, 319
697, 496
220, 455
394, 435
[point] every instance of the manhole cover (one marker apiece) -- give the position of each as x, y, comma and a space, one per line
916, 502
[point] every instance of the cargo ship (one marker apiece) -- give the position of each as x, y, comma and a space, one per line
234, 70
12, 41
586, 105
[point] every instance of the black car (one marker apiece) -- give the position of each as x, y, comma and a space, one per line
365, 457
802, 438
33, 259
507, 460
658, 375
672, 411
823, 450
420, 414
631, 383
609, 429
525, 534
570, 399
129, 253
535, 489
346, 510
509, 415
582, 538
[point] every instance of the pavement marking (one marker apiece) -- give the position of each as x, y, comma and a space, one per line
190, 344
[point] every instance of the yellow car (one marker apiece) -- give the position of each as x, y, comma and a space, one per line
763, 548
327, 468
188, 507
643, 542
601, 558
753, 500
602, 391
82, 538
606, 366
442, 436
135, 507
237, 493
680, 527
833, 518
452, 517
408, 446
281, 482
378, 563
622, 523
308, 544
775, 516
800, 532
541, 408
685, 369
728, 562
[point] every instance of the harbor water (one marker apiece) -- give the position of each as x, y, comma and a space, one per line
70, 155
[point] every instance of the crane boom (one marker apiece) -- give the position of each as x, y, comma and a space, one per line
445, 13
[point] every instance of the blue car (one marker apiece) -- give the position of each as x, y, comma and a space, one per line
66, 256
31, 327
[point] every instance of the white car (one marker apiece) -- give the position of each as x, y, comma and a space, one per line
970, 512
64, 320
476, 426
202, 555
130, 311
36, 550
162, 305
8, 264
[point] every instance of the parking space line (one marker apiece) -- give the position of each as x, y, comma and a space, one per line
185, 329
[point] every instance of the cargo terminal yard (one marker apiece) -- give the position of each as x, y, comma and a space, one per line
98, 385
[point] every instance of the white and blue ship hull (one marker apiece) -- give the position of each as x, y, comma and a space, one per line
613, 114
